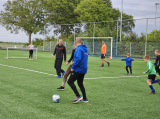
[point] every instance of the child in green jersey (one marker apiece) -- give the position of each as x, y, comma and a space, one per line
152, 73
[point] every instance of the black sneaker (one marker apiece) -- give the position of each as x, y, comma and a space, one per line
102, 66
108, 64
60, 88
152, 92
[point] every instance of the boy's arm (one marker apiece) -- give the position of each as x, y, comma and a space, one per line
123, 59
149, 68
132, 59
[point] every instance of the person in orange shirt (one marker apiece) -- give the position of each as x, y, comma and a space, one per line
103, 54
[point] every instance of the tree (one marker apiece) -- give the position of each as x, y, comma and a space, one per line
93, 11
62, 12
25, 15
152, 37
100, 11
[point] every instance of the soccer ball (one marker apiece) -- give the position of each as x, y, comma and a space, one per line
56, 98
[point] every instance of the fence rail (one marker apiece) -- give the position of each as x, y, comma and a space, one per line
119, 49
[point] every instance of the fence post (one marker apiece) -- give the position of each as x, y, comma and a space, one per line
93, 36
117, 30
146, 37
74, 36
50, 46
130, 48
116, 47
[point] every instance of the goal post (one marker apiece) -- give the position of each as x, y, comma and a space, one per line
93, 42
14, 52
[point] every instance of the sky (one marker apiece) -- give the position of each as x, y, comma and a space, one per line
137, 8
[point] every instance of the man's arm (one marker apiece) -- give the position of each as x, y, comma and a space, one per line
64, 53
71, 56
156, 61
54, 52
77, 58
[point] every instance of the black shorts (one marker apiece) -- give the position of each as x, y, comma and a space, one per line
102, 56
152, 76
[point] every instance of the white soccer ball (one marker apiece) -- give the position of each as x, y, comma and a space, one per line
56, 98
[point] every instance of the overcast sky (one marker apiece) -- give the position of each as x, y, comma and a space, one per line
137, 8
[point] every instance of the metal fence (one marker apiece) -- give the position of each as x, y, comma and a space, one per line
109, 28
119, 49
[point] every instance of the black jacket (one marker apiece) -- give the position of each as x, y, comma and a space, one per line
59, 51
157, 63
71, 58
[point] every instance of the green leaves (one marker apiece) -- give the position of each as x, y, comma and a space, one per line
26, 15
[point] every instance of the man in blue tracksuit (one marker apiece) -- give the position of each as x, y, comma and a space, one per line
79, 69
128, 60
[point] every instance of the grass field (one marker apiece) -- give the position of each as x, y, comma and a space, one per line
26, 89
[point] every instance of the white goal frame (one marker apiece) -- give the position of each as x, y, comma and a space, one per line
99, 38
36, 49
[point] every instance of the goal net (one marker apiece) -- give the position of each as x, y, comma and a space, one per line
94, 45
19, 53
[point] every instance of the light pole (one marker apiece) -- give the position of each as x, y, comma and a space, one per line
155, 19
121, 20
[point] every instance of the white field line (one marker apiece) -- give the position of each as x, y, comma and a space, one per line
117, 77
111, 61
84, 78
27, 70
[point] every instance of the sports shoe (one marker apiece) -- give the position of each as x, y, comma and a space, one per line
102, 66
58, 77
152, 92
108, 64
60, 88
84, 100
127, 73
77, 99
130, 73
158, 81
63, 73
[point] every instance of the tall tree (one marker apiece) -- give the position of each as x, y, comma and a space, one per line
62, 12
25, 15
102, 10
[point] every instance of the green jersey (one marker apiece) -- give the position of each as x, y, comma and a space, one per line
150, 68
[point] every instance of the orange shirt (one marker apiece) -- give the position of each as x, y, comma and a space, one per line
103, 49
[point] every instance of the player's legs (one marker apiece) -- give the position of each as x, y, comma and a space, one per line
130, 67
68, 71
102, 62
58, 64
81, 86
127, 69
73, 77
71, 81
29, 54
151, 79
157, 70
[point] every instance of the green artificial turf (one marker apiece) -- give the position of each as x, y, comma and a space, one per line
111, 93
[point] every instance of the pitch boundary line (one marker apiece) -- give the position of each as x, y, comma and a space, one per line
28, 70
56, 75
